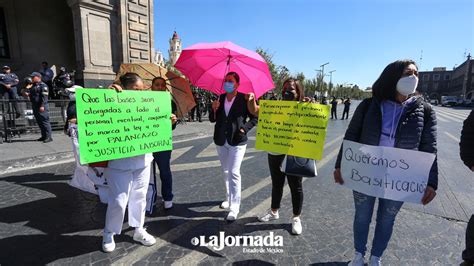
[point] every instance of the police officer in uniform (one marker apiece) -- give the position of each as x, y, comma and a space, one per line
38, 94
8, 82
47, 76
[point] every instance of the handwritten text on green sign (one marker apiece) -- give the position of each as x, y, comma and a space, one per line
114, 125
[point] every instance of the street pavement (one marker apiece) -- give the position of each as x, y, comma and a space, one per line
43, 220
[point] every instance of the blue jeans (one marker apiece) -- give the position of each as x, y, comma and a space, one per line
386, 213
162, 159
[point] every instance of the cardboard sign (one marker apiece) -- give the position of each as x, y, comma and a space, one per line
385, 172
114, 125
294, 128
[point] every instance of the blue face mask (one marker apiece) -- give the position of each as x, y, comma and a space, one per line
228, 87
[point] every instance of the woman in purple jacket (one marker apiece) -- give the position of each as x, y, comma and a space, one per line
393, 117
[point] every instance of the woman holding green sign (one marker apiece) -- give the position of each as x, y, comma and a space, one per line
128, 180
393, 117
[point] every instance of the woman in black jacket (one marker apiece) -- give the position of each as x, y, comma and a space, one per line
230, 113
390, 118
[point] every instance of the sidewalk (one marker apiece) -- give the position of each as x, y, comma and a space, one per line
25, 152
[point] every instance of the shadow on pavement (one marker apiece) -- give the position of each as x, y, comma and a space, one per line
339, 263
185, 210
48, 204
251, 262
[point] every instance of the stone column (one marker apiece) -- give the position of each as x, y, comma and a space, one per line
136, 17
98, 46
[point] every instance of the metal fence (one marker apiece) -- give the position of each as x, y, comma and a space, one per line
12, 127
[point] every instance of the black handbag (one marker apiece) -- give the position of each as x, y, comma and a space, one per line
299, 166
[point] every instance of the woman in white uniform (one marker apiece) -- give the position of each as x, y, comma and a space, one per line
128, 180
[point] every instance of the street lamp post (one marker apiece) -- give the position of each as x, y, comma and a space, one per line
330, 81
322, 75
317, 78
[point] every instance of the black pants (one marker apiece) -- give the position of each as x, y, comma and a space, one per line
468, 253
42, 119
162, 159
333, 113
198, 113
278, 181
12, 95
346, 113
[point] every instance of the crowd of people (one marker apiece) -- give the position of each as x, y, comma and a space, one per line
39, 87
393, 117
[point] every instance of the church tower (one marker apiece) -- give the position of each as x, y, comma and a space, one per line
175, 48
158, 58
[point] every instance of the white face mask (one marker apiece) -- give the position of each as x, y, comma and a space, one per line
407, 85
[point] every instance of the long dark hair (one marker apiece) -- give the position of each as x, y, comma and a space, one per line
299, 88
385, 87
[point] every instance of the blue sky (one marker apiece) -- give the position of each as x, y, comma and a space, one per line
357, 38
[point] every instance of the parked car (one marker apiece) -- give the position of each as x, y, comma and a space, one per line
434, 102
449, 100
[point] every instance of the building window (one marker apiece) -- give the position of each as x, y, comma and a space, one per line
447, 77
426, 77
436, 77
4, 50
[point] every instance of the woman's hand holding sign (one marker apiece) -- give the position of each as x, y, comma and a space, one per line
116, 87
338, 177
174, 119
215, 105
430, 193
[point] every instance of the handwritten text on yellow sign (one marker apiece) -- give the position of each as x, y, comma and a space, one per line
294, 128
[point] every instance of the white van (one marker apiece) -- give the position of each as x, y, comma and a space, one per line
449, 100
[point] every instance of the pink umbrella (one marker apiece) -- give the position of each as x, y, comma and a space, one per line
205, 64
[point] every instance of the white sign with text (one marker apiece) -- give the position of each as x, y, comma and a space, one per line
385, 172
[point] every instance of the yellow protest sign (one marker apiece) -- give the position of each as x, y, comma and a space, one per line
293, 128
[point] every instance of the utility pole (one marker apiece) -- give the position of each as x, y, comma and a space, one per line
318, 89
322, 76
330, 81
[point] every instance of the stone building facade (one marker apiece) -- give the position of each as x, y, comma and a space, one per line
92, 37
458, 82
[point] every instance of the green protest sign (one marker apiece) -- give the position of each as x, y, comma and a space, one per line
293, 128
114, 125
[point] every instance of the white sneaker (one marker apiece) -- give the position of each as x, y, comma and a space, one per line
375, 261
142, 236
224, 205
232, 216
168, 204
269, 216
296, 227
358, 260
108, 243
